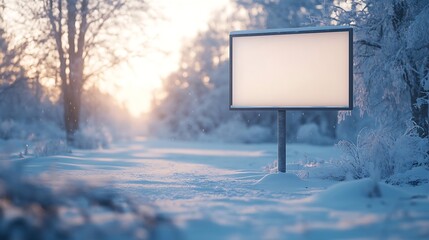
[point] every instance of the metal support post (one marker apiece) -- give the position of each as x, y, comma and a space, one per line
281, 128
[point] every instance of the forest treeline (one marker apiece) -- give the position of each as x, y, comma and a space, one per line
391, 66
52, 54
387, 131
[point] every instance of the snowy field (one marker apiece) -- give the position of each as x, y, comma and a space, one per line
222, 191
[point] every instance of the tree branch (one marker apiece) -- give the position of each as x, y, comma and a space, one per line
367, 43
57, 31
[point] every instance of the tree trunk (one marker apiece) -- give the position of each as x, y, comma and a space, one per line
420, 114
69, 26
71, 99
73, 89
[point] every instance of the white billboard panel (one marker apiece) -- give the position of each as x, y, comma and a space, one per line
305, 68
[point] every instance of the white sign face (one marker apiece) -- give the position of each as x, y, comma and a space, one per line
301, 68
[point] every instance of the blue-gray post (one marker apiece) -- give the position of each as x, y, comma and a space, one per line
281, 128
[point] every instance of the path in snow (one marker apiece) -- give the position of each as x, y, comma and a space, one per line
210, 190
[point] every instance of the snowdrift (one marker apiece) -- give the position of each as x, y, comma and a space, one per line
362, 192
279, 182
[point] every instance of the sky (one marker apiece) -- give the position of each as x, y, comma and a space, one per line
143, 76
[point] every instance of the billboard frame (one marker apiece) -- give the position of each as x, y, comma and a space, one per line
288, 31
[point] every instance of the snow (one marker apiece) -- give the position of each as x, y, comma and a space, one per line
285, 182
220, 191
359, 192
413, 176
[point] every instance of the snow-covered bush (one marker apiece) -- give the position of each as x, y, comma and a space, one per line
379, 154
91, 137
30, 210
29, 131
102, 121
236, 131
310, 133
409, 150
6, 129
271, 167
370, 156
27, 113
48, 148
415, 176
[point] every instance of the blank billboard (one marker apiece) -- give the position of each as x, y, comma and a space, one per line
303, 68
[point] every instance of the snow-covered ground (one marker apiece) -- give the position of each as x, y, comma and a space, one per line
222, 191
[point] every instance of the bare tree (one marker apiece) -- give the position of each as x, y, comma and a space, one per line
76, 41
10, 68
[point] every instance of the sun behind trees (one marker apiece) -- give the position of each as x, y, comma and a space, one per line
198, 92
76, 41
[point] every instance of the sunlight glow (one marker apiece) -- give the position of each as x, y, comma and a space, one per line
134, 85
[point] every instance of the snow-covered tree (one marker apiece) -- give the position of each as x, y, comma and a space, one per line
197, 95
24, 105
10, 68
391, 84
196, 99
289, 13
392, 63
